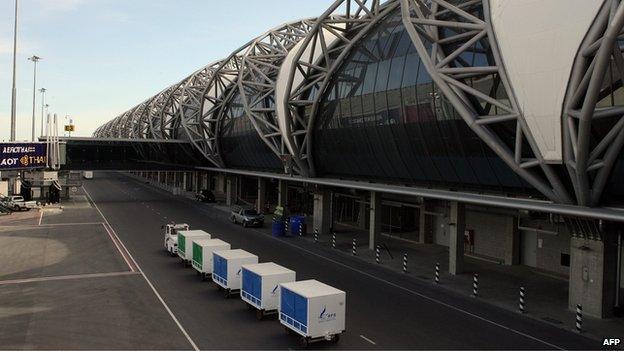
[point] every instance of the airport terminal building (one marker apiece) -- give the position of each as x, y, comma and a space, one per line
491, 127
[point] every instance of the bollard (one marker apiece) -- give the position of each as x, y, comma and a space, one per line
437, 273
579, 318
377, 256
521, 302
315, 235
475, 285
300, 229
405, 263
286, 226
354, 247
333, 240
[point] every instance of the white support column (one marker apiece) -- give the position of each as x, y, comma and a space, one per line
593, 267
261, 199
457, 226
374, 230
282, 193
230, 191
322, 212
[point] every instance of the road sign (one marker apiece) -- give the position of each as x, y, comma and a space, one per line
22, 155
70, 128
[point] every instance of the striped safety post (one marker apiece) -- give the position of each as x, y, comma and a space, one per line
354, 247
333, 240
579, 318
437, 273
404, 263
316, 235
377, 255
475, 285
300, 229
521, 301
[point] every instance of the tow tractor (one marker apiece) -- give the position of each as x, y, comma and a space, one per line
171, 236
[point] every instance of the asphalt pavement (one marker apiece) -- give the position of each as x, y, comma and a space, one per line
385, 310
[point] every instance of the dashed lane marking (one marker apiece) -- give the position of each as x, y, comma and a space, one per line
162, 301
368, 340
40, 216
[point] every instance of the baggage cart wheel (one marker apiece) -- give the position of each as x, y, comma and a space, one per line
226, 293
249, 307
304, 342
259, 314
287, 330
336, 338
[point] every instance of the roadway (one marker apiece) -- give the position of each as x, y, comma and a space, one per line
385, 310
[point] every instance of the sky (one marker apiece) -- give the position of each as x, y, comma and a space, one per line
102, 57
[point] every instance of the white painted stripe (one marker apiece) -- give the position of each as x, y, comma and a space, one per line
367, 339
40, 216
393, 284
31, 226
65, 277
177, 322
110, 235
413, 292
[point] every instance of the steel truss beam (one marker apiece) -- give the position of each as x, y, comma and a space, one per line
589, 153
443, 32
257, 78
310, 68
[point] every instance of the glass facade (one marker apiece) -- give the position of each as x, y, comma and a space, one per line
383, 118
240, 145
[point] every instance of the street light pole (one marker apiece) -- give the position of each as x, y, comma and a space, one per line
14, 90
34, 59
43, 104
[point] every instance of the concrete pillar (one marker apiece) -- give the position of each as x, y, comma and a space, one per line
261, 200
282, 193
374, 230
512, 242
184, 180
593, 266
425, 232
457, 227
230, 191
362, 212
322, 211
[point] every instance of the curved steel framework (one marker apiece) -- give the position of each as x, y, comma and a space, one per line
594, 131
280, 79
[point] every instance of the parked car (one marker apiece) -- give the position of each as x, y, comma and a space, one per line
17, 203
171, 236
246, 217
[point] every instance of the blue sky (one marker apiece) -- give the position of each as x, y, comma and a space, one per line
101, 57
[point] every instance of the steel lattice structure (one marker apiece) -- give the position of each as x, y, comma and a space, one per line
281, 77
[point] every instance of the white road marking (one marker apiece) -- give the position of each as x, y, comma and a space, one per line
413, 292
118, 248
367, 339
65, 277
40, 216
175, 319
396, 285
31, 226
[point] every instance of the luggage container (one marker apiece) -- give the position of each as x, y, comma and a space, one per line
278, 227
314, 310
297, 225
185, 243
202, 254
227, 267
260, 285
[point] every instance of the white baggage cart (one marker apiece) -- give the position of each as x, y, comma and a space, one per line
227, 267
202, 254
260, 285
314, 310
185, 243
